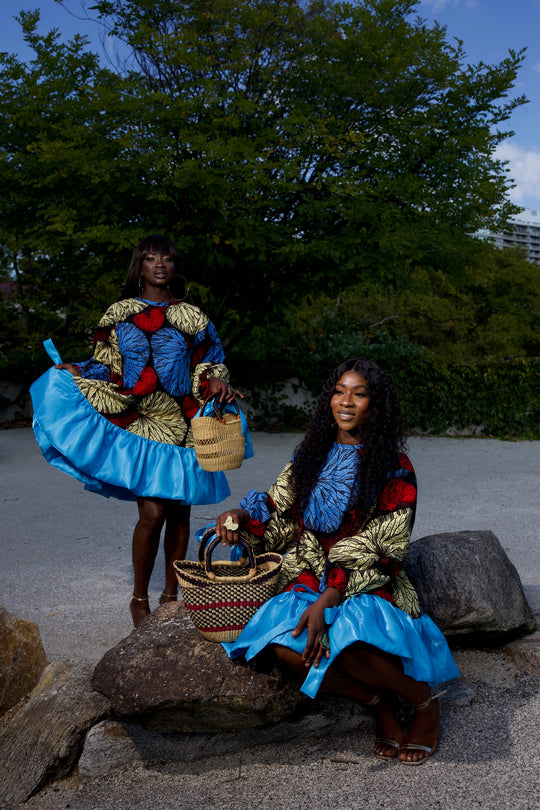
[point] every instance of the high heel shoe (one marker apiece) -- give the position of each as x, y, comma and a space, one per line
429, 750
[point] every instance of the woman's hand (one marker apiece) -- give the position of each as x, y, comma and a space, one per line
69, 367
313, 619
226, 522
223, 390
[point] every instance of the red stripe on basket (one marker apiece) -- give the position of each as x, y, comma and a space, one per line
221, 628
236, 603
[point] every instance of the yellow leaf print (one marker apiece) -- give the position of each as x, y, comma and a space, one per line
108, 353
282, 492
104, 396
160, 419
405, 595
187, 318
121, 310
362, 581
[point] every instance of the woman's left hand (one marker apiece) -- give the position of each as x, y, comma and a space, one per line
313, 619
223, 390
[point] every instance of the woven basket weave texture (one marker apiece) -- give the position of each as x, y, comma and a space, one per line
221, 608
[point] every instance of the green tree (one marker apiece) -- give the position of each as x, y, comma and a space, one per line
288, 147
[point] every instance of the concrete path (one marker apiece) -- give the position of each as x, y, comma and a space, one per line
65, 564
65, 558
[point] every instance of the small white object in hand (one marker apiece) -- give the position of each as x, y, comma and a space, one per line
230, 524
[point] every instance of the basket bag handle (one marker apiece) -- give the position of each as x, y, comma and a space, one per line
246, 548
218, 407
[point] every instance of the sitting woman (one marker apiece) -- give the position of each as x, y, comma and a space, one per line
347, 619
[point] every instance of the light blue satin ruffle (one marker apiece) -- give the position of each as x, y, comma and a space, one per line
109, 460
418, 642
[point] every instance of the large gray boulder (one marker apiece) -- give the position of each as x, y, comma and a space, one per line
173, 680
22, 659
43, 740
469, 587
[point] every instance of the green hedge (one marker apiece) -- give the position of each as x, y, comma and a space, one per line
502, 397
498, 398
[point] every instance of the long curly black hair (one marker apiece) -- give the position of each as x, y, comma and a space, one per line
153, 244
382, 435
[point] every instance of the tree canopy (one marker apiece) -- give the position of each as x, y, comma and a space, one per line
289, 148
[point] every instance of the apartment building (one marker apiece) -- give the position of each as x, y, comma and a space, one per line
524, 231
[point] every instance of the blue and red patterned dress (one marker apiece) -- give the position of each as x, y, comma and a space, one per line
332, 545
123, 427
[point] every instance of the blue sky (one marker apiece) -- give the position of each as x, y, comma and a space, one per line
488, 29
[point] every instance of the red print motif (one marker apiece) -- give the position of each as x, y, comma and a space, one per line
151, 319
398, 494
102, 334
305, 578
146, 382
189, 406
404, 461
123, 419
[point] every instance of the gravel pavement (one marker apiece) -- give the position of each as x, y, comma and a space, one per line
65, 564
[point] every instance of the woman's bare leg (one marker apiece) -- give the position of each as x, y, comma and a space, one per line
338, 681
144, 549
380, 669
175, 545
359, 672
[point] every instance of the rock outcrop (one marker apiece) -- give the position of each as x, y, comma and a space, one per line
173, 680
22, 659
469, 587
43, 740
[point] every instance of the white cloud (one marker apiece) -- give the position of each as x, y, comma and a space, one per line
524, 168
437, 5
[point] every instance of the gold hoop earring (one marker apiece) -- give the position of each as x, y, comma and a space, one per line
186, 288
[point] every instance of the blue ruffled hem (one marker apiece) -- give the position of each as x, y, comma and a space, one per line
418, 642
109, 460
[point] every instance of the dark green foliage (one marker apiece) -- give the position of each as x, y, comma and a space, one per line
498, 396
299, 154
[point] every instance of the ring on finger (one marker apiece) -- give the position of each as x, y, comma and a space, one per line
324, 641
230, 524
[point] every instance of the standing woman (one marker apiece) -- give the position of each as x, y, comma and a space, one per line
348, 619
121, 421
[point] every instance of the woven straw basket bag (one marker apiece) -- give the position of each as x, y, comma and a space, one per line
221, 597
218, 439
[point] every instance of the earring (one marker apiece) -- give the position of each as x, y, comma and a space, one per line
186, 288
141, 287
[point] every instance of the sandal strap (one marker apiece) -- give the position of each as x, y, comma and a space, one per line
387, 741
431, 697
417, 747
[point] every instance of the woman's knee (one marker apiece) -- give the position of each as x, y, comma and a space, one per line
151, 513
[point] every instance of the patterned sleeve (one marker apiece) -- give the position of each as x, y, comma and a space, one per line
374, 557
207, 360
258, 504
106, 363
272, 526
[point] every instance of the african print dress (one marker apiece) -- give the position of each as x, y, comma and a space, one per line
334, 546
123, 427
